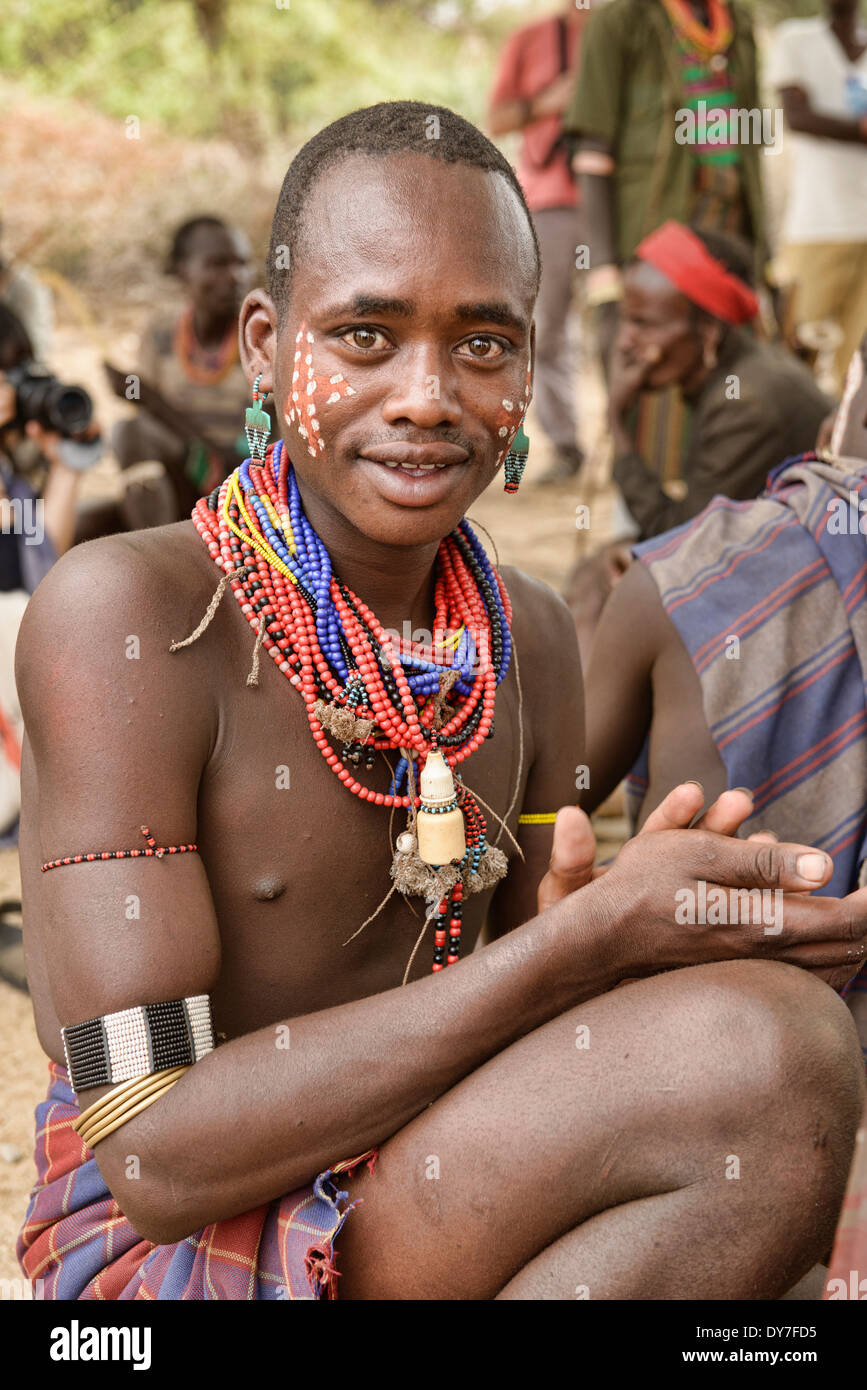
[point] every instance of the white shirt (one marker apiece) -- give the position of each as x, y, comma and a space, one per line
827, 199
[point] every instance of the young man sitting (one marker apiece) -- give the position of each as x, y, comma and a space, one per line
514, 1159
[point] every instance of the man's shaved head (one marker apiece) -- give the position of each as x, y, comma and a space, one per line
390, 127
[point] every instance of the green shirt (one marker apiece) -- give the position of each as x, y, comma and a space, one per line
628, 92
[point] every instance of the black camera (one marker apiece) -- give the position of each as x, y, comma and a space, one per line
39, 396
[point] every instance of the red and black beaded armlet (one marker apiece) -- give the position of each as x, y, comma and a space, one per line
153, 851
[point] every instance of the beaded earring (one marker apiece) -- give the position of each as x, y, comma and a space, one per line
257, 426
516, 460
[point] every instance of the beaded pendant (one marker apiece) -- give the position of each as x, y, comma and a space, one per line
516, 461
366, 693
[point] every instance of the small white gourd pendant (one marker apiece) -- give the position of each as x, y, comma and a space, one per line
440, 821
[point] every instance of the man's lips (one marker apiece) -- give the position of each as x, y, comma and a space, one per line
401, 454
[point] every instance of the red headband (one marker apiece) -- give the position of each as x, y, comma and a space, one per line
686, 261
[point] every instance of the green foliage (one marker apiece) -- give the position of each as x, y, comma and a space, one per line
250, 70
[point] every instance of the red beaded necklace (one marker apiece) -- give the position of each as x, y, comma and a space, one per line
200, 364
357, 684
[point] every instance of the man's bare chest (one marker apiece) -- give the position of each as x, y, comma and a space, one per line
297, 863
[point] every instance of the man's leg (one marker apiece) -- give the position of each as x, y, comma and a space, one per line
684, 1136
555, 377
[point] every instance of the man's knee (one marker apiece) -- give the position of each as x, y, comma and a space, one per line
800, 1044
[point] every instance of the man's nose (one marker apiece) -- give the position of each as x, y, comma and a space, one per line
422, 390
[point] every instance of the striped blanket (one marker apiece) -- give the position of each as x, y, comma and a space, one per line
77, 1244
770, 599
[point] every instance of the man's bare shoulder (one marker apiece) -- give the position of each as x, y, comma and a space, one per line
541, 621
122, 569
147, 587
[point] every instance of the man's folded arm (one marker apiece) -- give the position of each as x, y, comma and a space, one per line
120, 732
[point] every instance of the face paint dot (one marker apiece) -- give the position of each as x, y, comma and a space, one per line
350, 391
310, 337
504, 430
315, 424
335, 379
312, 453
309, 358
321, 443
333, 398
311, 409
298, 355
509, 405
294, 395
311, 387
299, 335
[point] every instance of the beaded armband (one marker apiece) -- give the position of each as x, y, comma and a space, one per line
138, 1042
153, 851
538, 818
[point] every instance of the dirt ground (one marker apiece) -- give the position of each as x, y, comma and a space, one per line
535, 530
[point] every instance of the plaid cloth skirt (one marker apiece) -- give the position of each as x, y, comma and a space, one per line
76, 1242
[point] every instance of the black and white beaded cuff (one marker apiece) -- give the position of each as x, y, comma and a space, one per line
136, 1042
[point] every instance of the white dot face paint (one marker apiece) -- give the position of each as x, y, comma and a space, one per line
327, 391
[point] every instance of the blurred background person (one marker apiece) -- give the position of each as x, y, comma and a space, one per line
532, 88
684, 324
188, 383
684, 327
642, 62
37, 515
819, 68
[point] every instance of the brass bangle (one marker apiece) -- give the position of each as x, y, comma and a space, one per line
103, 1131
138, 1085
129, 1098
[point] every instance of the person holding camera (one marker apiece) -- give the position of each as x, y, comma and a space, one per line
58, 420
47, 440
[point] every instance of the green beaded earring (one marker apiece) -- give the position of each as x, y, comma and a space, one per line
516, 460
257, 426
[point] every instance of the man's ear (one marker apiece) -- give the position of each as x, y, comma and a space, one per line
257, 327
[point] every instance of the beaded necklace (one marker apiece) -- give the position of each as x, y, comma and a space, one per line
203, 365
433, 704
712, 38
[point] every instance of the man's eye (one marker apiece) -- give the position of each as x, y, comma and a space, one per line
365, 338
482, 346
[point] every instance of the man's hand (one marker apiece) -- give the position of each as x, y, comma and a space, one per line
555, 97
628, 375
573, 852
48, 441
827, 936
664, 877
